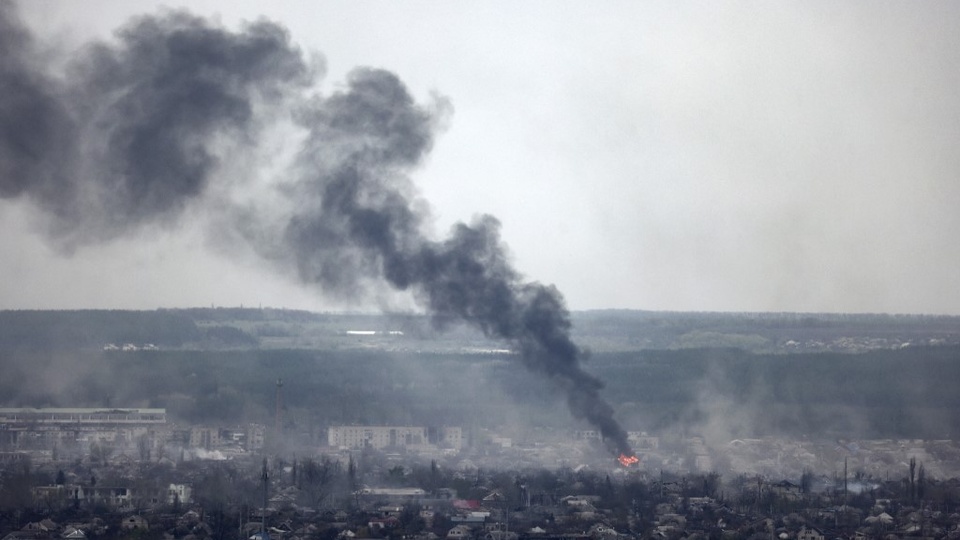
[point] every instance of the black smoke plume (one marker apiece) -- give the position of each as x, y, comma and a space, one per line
130, 136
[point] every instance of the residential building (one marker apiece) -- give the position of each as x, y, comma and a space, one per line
204, 437
380, 437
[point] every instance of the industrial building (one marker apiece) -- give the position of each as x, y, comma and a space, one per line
31, 427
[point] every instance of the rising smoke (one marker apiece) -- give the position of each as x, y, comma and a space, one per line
128, 134
131, 134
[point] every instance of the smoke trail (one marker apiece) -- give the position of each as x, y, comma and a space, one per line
355, 195
132, 135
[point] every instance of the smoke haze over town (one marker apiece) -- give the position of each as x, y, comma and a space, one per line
656, 268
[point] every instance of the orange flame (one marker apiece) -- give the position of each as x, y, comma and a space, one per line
627, 461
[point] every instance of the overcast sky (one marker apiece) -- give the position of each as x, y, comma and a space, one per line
708, 156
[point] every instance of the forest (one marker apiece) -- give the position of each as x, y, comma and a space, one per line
213, 366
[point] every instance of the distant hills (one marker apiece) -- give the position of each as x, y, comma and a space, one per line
599, 331
722, 375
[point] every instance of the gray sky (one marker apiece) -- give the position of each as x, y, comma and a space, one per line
714, 156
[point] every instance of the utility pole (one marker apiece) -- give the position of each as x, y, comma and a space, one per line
263, 514
279, 406
845, 492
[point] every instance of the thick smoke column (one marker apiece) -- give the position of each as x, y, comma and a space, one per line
131, 136
357, 221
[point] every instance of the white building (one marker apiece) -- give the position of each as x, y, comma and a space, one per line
204, 437
378, 437
446, 437
181, 493
28, 427
381, 437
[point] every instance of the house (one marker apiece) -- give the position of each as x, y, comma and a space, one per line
460, 532
810, 533
477, 518
468, 505
581, 501
390, 495
25, 535
786, 489
389, 522
131, 523
39, 527
600, 531
71, 533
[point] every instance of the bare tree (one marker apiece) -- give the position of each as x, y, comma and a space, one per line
316, 479
143, 447
913, 485
806, 481
101, 452
921, 482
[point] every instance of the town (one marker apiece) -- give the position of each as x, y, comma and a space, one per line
122, 473
676, 271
